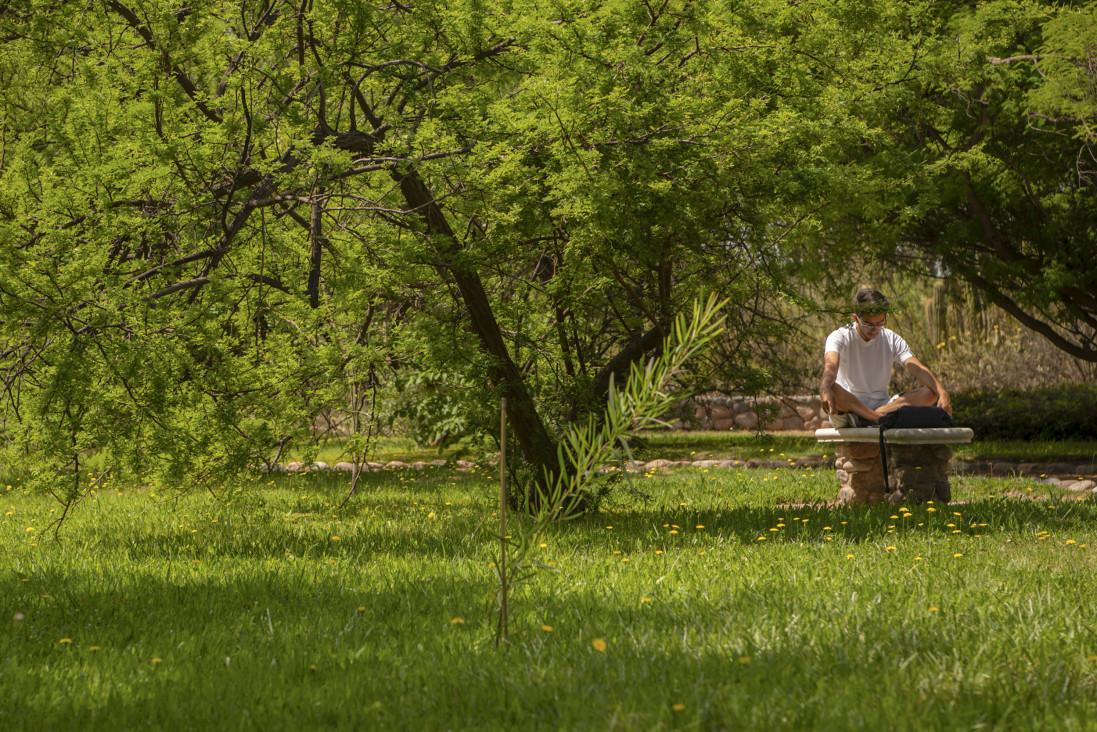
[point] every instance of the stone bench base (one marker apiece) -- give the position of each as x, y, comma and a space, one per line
918, 463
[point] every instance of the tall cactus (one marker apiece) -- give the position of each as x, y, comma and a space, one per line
936, 307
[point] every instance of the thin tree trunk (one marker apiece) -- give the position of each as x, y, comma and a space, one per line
533, 439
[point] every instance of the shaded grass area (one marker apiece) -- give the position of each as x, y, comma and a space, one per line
744, 446
724, 599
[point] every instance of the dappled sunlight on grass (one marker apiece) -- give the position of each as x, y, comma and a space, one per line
694, 597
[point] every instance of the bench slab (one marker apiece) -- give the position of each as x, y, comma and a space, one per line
925, 436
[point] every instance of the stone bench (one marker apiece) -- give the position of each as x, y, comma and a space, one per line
918, 463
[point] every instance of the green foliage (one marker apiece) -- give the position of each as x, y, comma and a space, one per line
431, 405
640, 403
985, 169
219, 221
1063, 413
216, 220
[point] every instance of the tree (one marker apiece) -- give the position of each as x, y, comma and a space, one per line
219, 216
987, 173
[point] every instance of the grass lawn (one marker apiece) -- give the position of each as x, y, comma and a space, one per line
701, 445
706, 601
745, 445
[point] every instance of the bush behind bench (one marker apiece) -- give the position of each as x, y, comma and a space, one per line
1055, 413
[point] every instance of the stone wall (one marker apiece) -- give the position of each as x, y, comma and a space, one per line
772, 414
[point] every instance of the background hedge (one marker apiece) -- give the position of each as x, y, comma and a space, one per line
1057, 413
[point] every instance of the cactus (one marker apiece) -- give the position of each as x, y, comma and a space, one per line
937, 307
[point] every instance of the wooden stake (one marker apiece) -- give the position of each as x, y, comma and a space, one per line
503, 520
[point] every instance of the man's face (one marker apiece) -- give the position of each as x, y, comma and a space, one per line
868, 325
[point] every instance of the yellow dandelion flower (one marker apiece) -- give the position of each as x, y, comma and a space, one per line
66, 641
658, 551
599, 645
761, 538
1071, 541
700, 526
957, 554
157, 660
543, 545
546, 628
645, 599
674, 531
93, 648
933, 608
30, 529
678, 707
457, 621
335, 538
361, 608
849, 556
931, 510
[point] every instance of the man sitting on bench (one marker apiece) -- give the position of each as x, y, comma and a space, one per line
857, 368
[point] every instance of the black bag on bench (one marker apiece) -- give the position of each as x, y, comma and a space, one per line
909, 418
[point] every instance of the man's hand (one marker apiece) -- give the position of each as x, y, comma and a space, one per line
826, 397
944, 401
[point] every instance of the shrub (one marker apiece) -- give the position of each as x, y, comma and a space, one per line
1056, 413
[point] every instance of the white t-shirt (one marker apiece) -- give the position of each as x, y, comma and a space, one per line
864, 367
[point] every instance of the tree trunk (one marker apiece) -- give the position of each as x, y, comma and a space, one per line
536, 444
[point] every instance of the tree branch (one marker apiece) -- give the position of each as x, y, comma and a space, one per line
184, 81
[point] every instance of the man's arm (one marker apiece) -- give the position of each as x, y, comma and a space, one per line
826, 385
927, 379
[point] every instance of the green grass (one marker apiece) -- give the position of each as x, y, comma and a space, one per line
746, 445
700, 445
721, 606
385, 449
